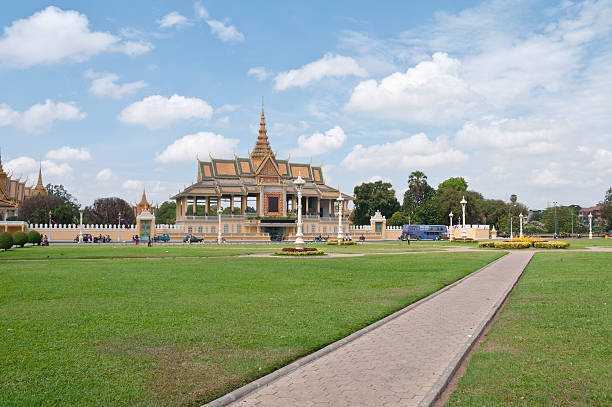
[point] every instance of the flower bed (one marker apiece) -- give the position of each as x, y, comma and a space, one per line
551, 245
489, 243
464, 240
335, 243
307, 251
512, 245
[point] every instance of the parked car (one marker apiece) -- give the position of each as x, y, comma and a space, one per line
191, 239
163, 238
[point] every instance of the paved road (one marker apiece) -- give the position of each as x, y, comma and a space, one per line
404, 361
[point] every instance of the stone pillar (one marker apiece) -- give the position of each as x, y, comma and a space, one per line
330, 207
261, 202
207, 206
285, 202
243, 205
231, 204
306, 204
195, 206
318, 205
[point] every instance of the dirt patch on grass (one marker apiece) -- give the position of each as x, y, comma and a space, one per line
194, 374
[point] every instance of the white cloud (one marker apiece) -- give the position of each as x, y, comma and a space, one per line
104, 84
54, 35
432, 92
417, 151
259, 72
28, 166
527, 135
226, 108
172, 19
330, 65
200, 10
104, 175
156, 112
133, 185
549, 177
21, 165
225, 32
66, 153
319, 143
40, 117
201, 144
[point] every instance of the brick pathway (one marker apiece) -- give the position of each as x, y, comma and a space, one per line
405, 361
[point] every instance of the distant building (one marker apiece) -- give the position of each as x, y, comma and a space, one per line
261, 197
583, 214
13, 191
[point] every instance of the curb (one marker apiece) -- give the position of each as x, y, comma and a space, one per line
251, 387
438, 388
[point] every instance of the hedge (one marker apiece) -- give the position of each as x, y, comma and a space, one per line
20, 239
6, 241
551, 245
334, 243
489, 243
512, 245
315, 252
34, 237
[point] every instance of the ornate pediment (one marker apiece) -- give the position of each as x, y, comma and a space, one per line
268, 171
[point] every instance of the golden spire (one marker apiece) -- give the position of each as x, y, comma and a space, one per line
262, 146
40, 189
1, 170
143, 201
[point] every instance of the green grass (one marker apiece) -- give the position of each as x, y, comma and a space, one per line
586, 242
106, 251
179, 332
551, 343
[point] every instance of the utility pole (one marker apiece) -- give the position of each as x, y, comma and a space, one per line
556, 223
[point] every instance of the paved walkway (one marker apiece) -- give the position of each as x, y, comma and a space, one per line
405, 361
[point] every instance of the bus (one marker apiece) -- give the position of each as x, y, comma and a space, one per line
424, 232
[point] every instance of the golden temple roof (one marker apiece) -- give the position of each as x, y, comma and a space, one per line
262, 145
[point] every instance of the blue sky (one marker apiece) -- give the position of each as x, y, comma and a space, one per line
512, 95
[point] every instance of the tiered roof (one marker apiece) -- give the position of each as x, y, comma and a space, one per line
14, 191
240, 176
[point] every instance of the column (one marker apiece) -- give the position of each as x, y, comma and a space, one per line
306, 204
261, 202
284, 202
231, 204
195, 206
318, 205
207, 206
177, 209
243, 205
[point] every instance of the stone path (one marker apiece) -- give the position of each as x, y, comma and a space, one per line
406, 361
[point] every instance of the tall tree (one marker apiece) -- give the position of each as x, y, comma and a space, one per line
166, 213
606, 210
373, 196
456, 183
418, 192
36, 209
106, 211
60, 191
449, 200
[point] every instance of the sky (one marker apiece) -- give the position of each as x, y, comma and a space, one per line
112, 97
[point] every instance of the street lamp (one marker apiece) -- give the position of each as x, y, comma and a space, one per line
81, 210
556, 223
119, 232
219, 211
450, 235
299, 236
590, 225
340, 200
521, 217
463, 231
49, 238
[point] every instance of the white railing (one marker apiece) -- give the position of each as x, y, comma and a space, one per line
76, 227
360, 227
394, 228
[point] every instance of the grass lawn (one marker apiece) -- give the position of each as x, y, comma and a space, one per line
551, 343
179, 332
586, 242
103, 251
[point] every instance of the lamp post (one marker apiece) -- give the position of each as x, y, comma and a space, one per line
463, 231
81, 210
521, 217
299, 236
340, 200
49, 238
450, 229
590, 225
119, 231
219, 212
556, 223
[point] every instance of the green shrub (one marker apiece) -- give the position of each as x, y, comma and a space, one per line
12, 218
551, 245
335, 243
512, 245
464, 240
314, 252
20, 239
6, 241
489, 243
34, 237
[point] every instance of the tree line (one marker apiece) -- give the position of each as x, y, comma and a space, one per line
424, 204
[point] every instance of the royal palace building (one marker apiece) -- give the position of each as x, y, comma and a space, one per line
13, 191
258, 198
